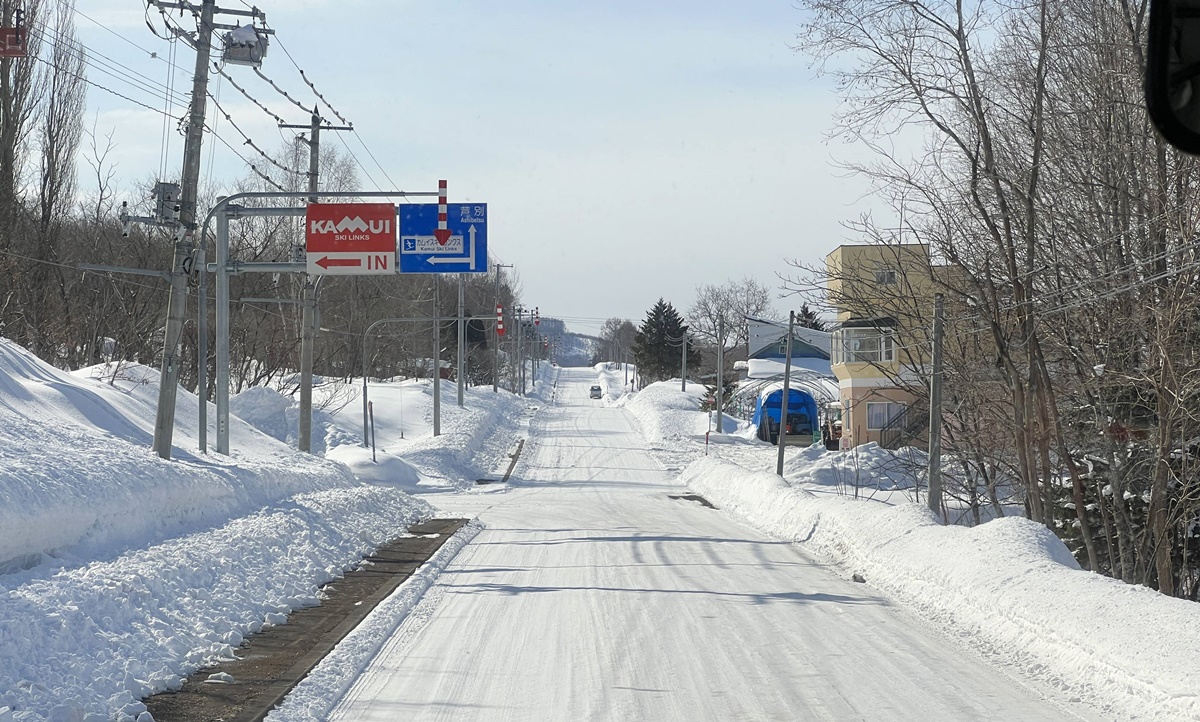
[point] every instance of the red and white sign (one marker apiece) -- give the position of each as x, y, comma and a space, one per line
350, 238
13, 43
499, 320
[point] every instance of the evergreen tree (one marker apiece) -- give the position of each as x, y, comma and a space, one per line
656, 347
807, 318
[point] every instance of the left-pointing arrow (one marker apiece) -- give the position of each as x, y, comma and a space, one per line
326, 262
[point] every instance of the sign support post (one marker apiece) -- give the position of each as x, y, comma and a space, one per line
462, 340
437, 357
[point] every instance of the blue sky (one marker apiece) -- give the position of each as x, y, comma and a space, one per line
627, 150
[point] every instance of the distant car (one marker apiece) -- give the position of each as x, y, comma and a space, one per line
596, 392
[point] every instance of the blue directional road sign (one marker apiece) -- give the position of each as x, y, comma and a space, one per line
464, 252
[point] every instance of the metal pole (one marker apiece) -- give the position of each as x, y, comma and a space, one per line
719, 396
935, 411
308, 314
220, 213
366, 404
437, 357
496, 340
164, 425
783, 406
202, 347
462, 339
222, 359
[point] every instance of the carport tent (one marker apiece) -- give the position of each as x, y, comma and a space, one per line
799, 402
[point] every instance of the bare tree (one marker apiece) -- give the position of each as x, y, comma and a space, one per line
729, 303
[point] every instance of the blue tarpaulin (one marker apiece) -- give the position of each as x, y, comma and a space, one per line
800, 404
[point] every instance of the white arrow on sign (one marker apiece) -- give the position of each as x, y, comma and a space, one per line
469, 260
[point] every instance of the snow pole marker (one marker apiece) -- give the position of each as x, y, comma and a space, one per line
442, 234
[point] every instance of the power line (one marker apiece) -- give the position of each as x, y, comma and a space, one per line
338, 115
106, 89
249, 97
357, 162
310, 83
282, 92
381, 168
245, 160
102, 63
249, 141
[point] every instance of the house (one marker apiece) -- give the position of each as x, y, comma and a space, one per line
812, 387
883, 296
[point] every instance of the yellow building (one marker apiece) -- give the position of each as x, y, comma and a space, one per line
883, 296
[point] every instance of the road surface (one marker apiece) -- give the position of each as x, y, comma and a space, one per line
594, 595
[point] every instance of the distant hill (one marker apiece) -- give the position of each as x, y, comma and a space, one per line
570, 349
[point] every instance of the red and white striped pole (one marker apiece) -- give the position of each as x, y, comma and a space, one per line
442, 233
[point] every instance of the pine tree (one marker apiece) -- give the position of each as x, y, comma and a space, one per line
656, 347
807, 318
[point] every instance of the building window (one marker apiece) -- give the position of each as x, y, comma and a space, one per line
886, 277
863, 345
882, 413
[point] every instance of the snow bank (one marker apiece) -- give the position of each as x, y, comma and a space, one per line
121, 572
665, 412
79, 482
96, 639
474, 439
1009, 588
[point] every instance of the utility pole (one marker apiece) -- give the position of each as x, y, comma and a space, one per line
185, 241
935, 411
683, 343
496, 333
168, 381
783, 405
518, 312
719, 396
308, 305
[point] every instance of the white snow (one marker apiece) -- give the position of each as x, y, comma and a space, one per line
1008, 588
120, 573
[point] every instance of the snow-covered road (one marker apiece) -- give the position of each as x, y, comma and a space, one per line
593, 594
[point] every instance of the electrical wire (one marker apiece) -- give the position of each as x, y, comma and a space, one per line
102, 63
165, 140
281, 91
377, 163
249, 141
356, 162
153, 55
247, 95
312, 87
105, 89
127, 282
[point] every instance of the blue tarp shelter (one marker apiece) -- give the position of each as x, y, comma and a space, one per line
802, 413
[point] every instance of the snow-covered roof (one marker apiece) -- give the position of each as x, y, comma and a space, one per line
763, 368
765, 332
